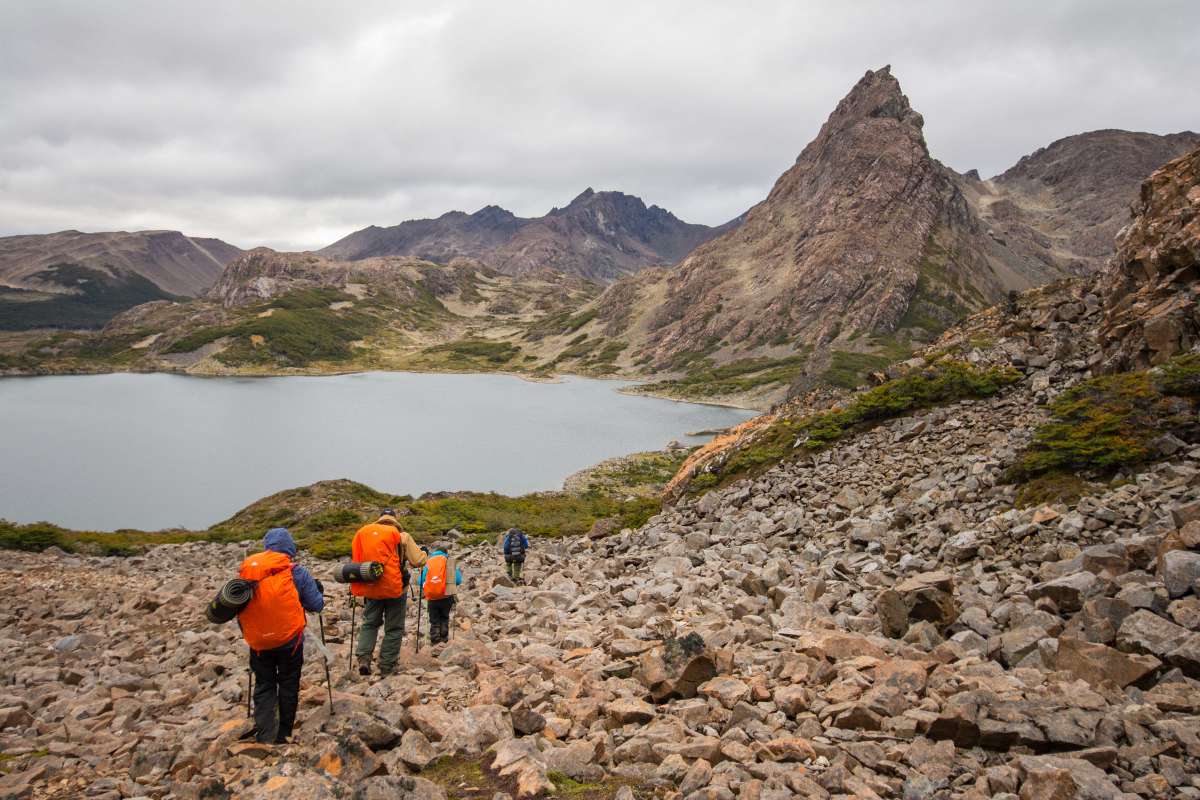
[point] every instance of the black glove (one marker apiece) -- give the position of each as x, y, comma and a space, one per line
424, 549
320, 586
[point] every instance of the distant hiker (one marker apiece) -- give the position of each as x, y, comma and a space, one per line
515, 545
385, 599
272, 624
439, 584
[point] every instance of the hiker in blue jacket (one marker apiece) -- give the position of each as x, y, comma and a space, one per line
438, 584
515, 545
312, 593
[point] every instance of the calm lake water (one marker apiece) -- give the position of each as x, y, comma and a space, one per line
152, 451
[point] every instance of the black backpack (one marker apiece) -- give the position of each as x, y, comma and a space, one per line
514, 544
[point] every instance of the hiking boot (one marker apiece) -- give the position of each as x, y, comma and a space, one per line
364, 670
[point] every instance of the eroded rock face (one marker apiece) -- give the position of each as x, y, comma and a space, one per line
1149, 287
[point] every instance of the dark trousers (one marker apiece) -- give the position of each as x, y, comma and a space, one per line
439, 619
277, 689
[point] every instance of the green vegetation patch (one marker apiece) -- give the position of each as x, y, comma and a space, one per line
474, 352
938, 383
323, 518
475, 779
735, 377
1108, 423
301, 329
636, 474
850, 370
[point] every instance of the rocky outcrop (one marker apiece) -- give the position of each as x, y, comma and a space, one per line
599, 235
1150, 286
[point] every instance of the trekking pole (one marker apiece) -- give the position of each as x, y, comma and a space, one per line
353, 608
325, 661
249, 691
418, 623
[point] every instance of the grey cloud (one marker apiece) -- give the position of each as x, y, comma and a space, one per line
291, 123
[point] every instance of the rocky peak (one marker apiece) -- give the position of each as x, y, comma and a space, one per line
263, 273
877, 95
582, 197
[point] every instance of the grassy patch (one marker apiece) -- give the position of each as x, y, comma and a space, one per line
323, 518
1108, 423
735, 377
637, 474
849, 370
561, 323
471, 779
468, 353
942, 382
300, 330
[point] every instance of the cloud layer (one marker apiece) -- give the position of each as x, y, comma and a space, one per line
291, 124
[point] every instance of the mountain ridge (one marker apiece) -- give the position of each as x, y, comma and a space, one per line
598, 235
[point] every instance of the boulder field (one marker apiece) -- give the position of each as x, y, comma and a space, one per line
876, 619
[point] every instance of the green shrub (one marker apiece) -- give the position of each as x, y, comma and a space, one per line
1112, 421
941, 382
707, 380
466, 350
849, 370
32, 538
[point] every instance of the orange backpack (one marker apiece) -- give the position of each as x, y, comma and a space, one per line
382, 543
274, 616
437, 570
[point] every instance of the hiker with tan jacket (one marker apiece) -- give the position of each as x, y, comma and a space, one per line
385, 600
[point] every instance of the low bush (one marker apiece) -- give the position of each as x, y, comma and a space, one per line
943, 381
471, 350
1111, 422
735, 377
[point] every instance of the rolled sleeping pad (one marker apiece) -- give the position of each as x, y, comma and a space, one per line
233, 597
359, 572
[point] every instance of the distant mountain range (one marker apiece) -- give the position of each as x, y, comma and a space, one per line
600, 236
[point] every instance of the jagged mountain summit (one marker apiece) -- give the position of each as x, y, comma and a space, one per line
866, 234
77, 280
598, 235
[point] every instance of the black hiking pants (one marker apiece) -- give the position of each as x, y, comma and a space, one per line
277, 690
439, 620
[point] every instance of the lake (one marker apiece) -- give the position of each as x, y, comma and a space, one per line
102, 452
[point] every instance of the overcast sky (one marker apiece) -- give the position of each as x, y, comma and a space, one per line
291, 124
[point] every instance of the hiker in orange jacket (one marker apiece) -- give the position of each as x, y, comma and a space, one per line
385, 600
272, 624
